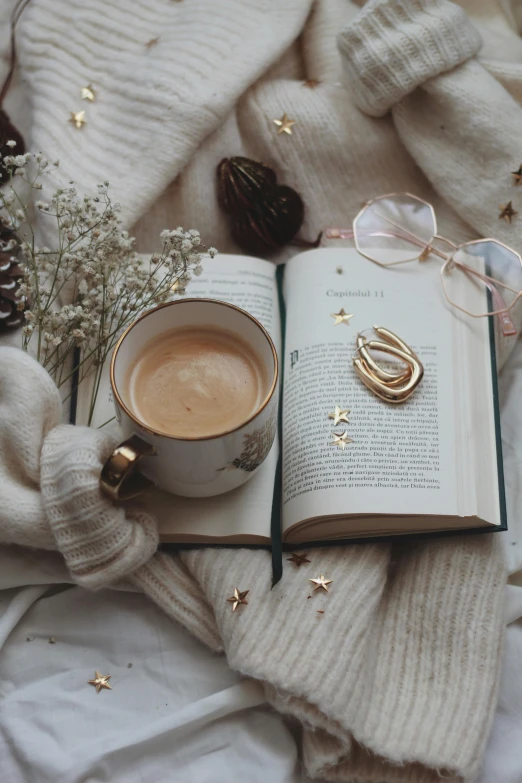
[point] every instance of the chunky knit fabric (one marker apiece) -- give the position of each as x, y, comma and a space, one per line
395, 47
396, 681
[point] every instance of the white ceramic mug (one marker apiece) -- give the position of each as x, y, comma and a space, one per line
190, 466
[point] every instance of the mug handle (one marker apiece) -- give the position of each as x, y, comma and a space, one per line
120, 479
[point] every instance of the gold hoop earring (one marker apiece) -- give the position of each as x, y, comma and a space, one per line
388, 386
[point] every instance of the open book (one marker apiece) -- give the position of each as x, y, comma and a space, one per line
430, 465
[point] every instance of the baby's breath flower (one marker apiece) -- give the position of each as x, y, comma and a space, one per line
94, 260
11, 143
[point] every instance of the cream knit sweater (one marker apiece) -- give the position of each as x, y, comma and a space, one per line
396, 681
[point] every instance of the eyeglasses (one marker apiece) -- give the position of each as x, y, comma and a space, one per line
481, 278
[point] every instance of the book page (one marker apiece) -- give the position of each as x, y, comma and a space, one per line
250, 284
400, 459
243, 515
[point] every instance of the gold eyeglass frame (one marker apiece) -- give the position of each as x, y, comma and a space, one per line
491, 283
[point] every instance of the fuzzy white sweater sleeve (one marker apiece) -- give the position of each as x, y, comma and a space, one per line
459, 123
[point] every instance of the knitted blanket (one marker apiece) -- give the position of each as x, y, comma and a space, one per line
396, 681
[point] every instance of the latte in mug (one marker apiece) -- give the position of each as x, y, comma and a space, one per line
196, 382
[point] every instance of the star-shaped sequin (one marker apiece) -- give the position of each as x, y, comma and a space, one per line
341, 317
88, 93
284, 125
78, 118
338, 415
151, 42
517, 175
238, 598
298, 559
341, 440
507, 212
321, 583
100, 681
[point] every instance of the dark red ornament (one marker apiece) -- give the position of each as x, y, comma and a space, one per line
264, 216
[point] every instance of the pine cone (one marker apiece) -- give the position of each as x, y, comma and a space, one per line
10, 276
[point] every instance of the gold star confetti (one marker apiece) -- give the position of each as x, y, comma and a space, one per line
100, 681
338, 415
88, 93
51, 640
517, 175
339, 270
176, 285
238, 598
321, 583
78, 118
341, 440
341, 317
152, 42
507, 212
298, 559
311, 83
284, 125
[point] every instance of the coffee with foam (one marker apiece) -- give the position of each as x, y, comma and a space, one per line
196, 382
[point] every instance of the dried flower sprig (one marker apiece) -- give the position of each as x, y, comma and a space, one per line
79, 295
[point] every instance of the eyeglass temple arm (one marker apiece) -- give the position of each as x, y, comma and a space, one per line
506, 324
347, 233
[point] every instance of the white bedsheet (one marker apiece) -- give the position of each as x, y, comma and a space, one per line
176, 714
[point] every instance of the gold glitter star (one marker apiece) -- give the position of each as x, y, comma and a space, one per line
78, 118
321, 583
517, 175
338, 415
298, 559
88, 93
341, 440
341, 317
311, 83
507, 212
238, 598
284, 125
339, 270
100, 681
152, 42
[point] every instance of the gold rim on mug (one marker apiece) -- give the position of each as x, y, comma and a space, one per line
200, 437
